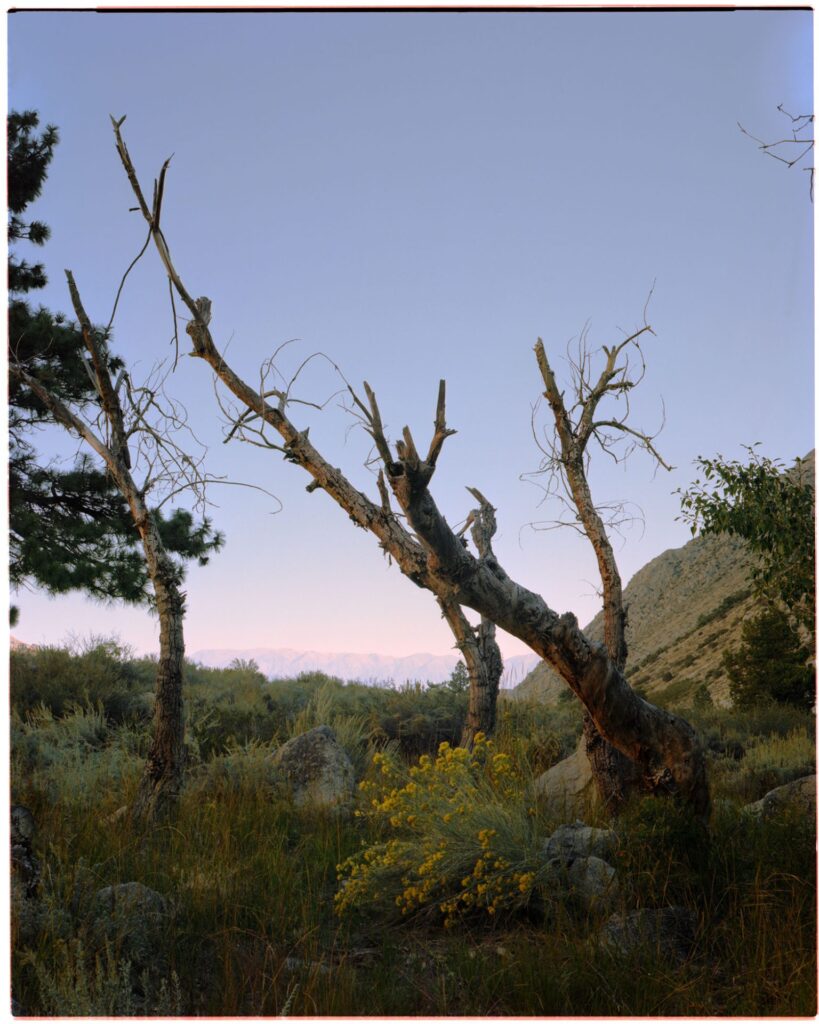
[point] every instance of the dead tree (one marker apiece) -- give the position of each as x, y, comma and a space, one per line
434, 556
577, 422
478, 645
135, 425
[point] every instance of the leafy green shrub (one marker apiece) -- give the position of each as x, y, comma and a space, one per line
681, 691
229, 707
749, 725
419, 718
773, 511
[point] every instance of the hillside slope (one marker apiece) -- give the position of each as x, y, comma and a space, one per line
685, 607
679, 606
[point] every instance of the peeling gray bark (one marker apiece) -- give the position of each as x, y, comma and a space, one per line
484, 666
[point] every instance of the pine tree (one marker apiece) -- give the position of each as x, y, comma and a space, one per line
771, 665
70, 529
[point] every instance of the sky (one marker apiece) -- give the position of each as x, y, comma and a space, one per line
421, 196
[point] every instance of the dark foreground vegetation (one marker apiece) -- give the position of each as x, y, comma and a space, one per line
270, 910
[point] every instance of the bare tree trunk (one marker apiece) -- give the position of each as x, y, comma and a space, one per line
616, 777
484, 667
484, 678
162, 779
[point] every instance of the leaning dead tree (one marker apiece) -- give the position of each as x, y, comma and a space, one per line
435, 556
134, 426
578, 423
269, 407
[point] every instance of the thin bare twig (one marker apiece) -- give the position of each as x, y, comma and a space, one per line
799, 123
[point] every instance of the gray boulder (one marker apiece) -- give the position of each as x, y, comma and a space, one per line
594, 884
799, 795
569, 842
131, 918
568, 788
669, 931
315, 770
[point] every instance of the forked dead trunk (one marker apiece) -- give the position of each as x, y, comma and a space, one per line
615, 776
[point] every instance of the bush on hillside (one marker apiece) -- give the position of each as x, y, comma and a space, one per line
102, 674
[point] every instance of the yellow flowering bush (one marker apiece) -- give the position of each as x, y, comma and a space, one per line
452, 834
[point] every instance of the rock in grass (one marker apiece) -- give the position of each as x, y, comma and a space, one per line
569, 842
799, 795
24, 865
594, 883
669, 931
130, 918
315, 770
568, 788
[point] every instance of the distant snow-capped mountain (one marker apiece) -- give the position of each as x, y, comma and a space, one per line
285, 662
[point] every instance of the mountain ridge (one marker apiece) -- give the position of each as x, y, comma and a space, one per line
282, 662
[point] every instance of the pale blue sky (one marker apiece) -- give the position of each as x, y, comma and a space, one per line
421, 196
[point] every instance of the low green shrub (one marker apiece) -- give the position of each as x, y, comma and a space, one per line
102, 673
73, 983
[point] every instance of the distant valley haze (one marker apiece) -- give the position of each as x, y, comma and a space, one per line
284, 662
